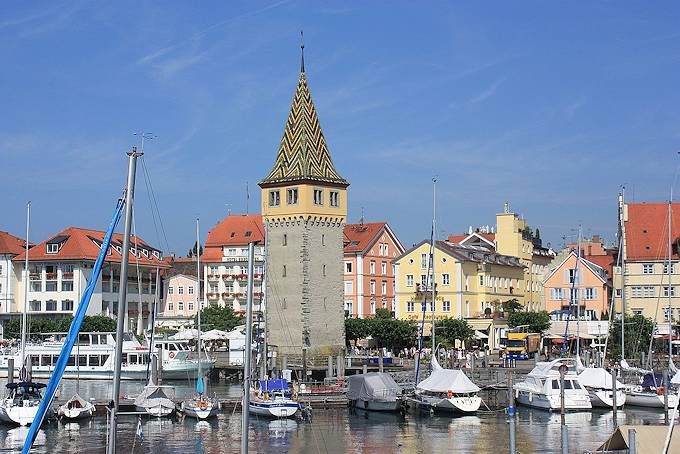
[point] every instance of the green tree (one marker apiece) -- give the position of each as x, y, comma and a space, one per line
392, 334
638, 332
383, 313
192, 251
455, 329
537, 321
511, 305
43, 325
355, 329
222, 318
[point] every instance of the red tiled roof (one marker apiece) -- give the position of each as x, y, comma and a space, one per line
79, 244
10, 244
646, 231
456, 238
232, 231
357, 237
603, 261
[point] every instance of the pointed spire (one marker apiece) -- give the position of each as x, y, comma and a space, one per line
303, 153
302, 51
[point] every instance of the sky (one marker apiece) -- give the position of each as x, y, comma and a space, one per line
550, 106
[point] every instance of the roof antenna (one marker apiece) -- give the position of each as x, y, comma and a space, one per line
361, 221
302, 48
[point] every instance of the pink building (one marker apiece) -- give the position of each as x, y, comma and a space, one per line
586, 286
369, 253
181, 293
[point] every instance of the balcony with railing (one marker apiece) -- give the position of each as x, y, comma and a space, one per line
213, 277
212, 295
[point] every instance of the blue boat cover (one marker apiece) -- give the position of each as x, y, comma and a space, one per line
274, 385
652, 381
73, 331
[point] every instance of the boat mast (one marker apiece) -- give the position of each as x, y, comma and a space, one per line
577, 297
670, 264
24, 314
433, 281
122, 296
263, 304
622, 251
247, 352
199, 376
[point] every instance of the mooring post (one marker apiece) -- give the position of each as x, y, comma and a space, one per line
565, 440
511, 413
632, 441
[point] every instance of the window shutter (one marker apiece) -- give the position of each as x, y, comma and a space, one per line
595, 293
566, 275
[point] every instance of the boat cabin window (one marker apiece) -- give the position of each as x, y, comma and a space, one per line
71, 361
84, 339
568, 384
132, 359
172, 347
103, 359
94, 360
555, 384
82, 360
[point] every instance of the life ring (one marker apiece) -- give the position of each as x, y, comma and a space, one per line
660, 390
203, 405
171, 355
449, 394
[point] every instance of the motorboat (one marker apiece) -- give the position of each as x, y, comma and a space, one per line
155, 400
374, 391
76, 408
598, 382
448, 390
541, 387
650, 393
273, 399
96, 358
21, 404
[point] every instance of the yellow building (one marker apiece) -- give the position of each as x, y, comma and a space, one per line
468, 279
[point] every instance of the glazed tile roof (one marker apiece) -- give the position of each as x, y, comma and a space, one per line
646, 231
303, 153
10, 244
75, 243
234, 230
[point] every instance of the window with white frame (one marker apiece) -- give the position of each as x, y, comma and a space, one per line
665, 268
387, 249
423, 261
318, 197
348, 307
171, 290
372, 307
169, 306
617, 292
423, 280
34, 306
180, 290
66, 305
371, 267
52, 248
667, 313
383, 288
180, 306
445, 279
481, 280
410, 306
637, 292
274, 198
213, 288
665, 291
190, 306
349, 287
383, 268
372, 287
190, 290
409, 280
334, 198
213, 270
292, 196
348, 267
446, 306
380, 248
647, 268
50, 305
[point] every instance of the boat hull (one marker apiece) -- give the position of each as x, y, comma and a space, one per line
602, 398
376, 405
274, 409
460, 405
22, 416
545, 402
158, 410
649, 399
194, 411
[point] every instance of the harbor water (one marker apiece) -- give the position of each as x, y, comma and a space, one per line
330, 431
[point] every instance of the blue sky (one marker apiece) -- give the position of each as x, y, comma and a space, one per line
551, 106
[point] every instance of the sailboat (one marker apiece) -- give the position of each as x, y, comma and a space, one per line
24, 398
200, 406
76, 407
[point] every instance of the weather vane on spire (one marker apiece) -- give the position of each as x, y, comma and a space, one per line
302, 48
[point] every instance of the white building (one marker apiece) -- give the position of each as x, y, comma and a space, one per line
60, 267
225, 259
10, 247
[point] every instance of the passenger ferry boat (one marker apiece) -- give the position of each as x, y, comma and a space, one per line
96, 358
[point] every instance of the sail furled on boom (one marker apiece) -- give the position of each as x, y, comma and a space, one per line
73, 332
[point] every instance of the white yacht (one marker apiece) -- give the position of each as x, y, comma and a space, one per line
598, 382
96, 358
21, 404
156, 400
273, 399
448, 390
541, 388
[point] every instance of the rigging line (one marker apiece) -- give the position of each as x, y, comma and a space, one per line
151, 209
155, 202
139, 277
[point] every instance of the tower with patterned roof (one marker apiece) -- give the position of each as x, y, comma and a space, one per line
304, 206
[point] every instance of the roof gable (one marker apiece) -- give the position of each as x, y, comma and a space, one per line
10, 244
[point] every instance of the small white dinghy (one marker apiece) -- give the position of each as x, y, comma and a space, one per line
448, 390
154, 400
76, 408
598, 382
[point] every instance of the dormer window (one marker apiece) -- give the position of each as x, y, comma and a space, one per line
248, 233
318, 197
52, 248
